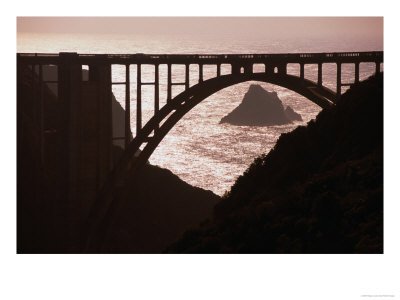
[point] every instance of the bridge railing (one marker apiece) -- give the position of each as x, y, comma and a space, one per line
194, 58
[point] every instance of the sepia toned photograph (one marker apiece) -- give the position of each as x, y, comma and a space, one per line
202, 135
200, 150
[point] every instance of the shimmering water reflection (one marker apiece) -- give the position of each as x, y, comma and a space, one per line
211, 155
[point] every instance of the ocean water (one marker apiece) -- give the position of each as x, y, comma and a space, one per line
198, 149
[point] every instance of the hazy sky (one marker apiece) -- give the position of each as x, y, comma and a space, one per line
282, 26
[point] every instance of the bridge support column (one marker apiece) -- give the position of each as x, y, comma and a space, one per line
302, 71
187, 79
319, 74
39, 114
169, 84
339, 80
269, 69
218, 70
377, 67
156, 92
357, 72
85, 147
139, 99
127, 106
248, 68
70, 77
282, 69
235, 69
200, 72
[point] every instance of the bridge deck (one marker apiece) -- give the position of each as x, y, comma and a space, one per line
139, 58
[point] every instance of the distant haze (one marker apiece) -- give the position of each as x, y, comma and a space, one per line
330, 27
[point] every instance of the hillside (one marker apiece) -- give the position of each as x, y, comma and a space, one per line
161, 208
319, 190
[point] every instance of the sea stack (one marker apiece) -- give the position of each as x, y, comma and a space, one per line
261, 108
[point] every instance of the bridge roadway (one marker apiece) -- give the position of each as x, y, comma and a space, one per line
139, 58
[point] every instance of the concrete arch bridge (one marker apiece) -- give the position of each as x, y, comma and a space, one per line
84, 105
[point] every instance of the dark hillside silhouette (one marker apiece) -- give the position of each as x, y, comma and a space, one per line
157, 212
320, 190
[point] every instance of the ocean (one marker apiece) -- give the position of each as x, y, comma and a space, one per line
198, 149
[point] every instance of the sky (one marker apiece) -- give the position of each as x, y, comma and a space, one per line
239, 26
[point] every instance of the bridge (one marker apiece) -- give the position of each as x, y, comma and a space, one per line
84, 125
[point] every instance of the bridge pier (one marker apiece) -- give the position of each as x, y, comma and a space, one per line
218, 70
169, 84
127, 107
377, 67
235, 69
339, 80
302, 71
282, 69
139, 99
319, 74
70, 77
40, 114
248, 68
85, 145
187, 79
200, 72
357, 72
156, 93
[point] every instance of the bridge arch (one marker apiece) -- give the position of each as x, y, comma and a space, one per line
176, 108
170, 114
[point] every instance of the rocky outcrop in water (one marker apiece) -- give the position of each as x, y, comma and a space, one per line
261, 108
292, 115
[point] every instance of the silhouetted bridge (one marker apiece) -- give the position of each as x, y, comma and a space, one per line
84, 104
